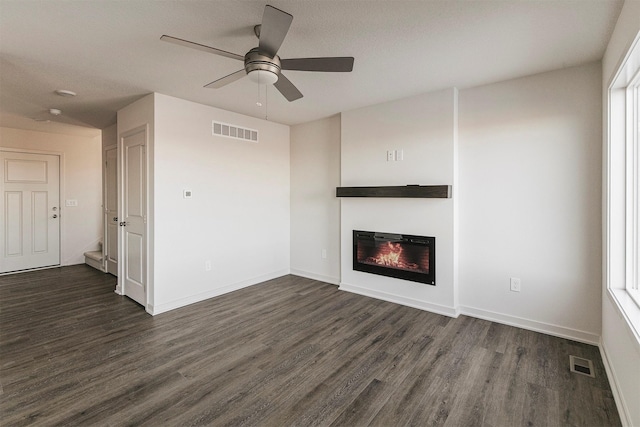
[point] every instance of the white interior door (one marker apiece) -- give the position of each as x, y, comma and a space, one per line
111, 210
133, 219
30, 206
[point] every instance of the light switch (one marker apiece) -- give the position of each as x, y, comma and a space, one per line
71, 202
390, 155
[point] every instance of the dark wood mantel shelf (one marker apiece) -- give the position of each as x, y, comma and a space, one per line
405, 191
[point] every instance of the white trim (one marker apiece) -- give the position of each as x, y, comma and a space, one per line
409, 302
182, 302
314, 276
29, 150
628, 310
533, 325
103, 163
618, 397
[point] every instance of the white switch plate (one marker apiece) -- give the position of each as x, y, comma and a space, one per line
390, 155
187, 194
324, 254
515, 284
399, 155
71, 202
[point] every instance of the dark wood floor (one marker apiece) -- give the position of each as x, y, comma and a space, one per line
291, 351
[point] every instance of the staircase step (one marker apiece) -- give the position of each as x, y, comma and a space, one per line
94, 255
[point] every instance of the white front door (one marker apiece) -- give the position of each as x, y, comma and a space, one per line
133, 219
111, 210
30, 206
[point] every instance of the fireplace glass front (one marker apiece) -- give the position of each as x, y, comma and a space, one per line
401, 256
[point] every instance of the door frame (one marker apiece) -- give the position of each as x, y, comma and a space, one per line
120, 287
61, 194
104, 200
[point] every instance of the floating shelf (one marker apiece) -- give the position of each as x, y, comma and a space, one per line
406, 191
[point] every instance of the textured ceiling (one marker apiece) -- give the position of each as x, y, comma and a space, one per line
109, 51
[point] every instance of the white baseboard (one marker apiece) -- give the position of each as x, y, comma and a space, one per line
533, 325
314, 276
618, 397
409, 302
172, 305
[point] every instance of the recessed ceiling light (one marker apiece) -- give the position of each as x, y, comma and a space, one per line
66, 93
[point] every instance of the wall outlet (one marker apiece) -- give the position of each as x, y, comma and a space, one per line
324, 254
515, 284
207, 266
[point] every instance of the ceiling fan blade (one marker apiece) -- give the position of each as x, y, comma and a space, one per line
201, 47
274, 28
342, 64
217, 84
287, 89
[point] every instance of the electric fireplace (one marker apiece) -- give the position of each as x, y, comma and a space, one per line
401, 256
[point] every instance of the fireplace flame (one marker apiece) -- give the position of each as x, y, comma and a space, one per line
392, 257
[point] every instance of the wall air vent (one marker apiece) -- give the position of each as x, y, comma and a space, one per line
232, 131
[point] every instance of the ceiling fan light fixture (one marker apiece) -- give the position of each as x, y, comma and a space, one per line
263, 77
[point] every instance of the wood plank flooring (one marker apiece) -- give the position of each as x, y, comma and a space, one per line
291, 351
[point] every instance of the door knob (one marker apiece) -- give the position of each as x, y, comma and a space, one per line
123, 224
55, 216
54, 209
115, 218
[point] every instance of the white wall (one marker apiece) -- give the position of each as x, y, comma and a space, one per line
239, 215
528, 194
81, 226
315, 210
620, 348
424, 128
110, 136
530, 197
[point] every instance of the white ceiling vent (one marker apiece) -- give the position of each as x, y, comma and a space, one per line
235, 132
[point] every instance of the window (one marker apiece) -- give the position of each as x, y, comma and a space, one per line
633, 187
622, 220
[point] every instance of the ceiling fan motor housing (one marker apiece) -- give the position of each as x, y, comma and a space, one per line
269, 67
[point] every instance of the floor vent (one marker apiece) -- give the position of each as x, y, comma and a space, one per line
233, 131
581, 366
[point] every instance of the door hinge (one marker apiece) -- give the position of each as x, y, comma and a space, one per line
144, 219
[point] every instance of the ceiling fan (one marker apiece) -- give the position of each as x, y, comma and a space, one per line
262, 64
55, 115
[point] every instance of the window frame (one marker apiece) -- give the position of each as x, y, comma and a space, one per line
622, 202
632, 154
